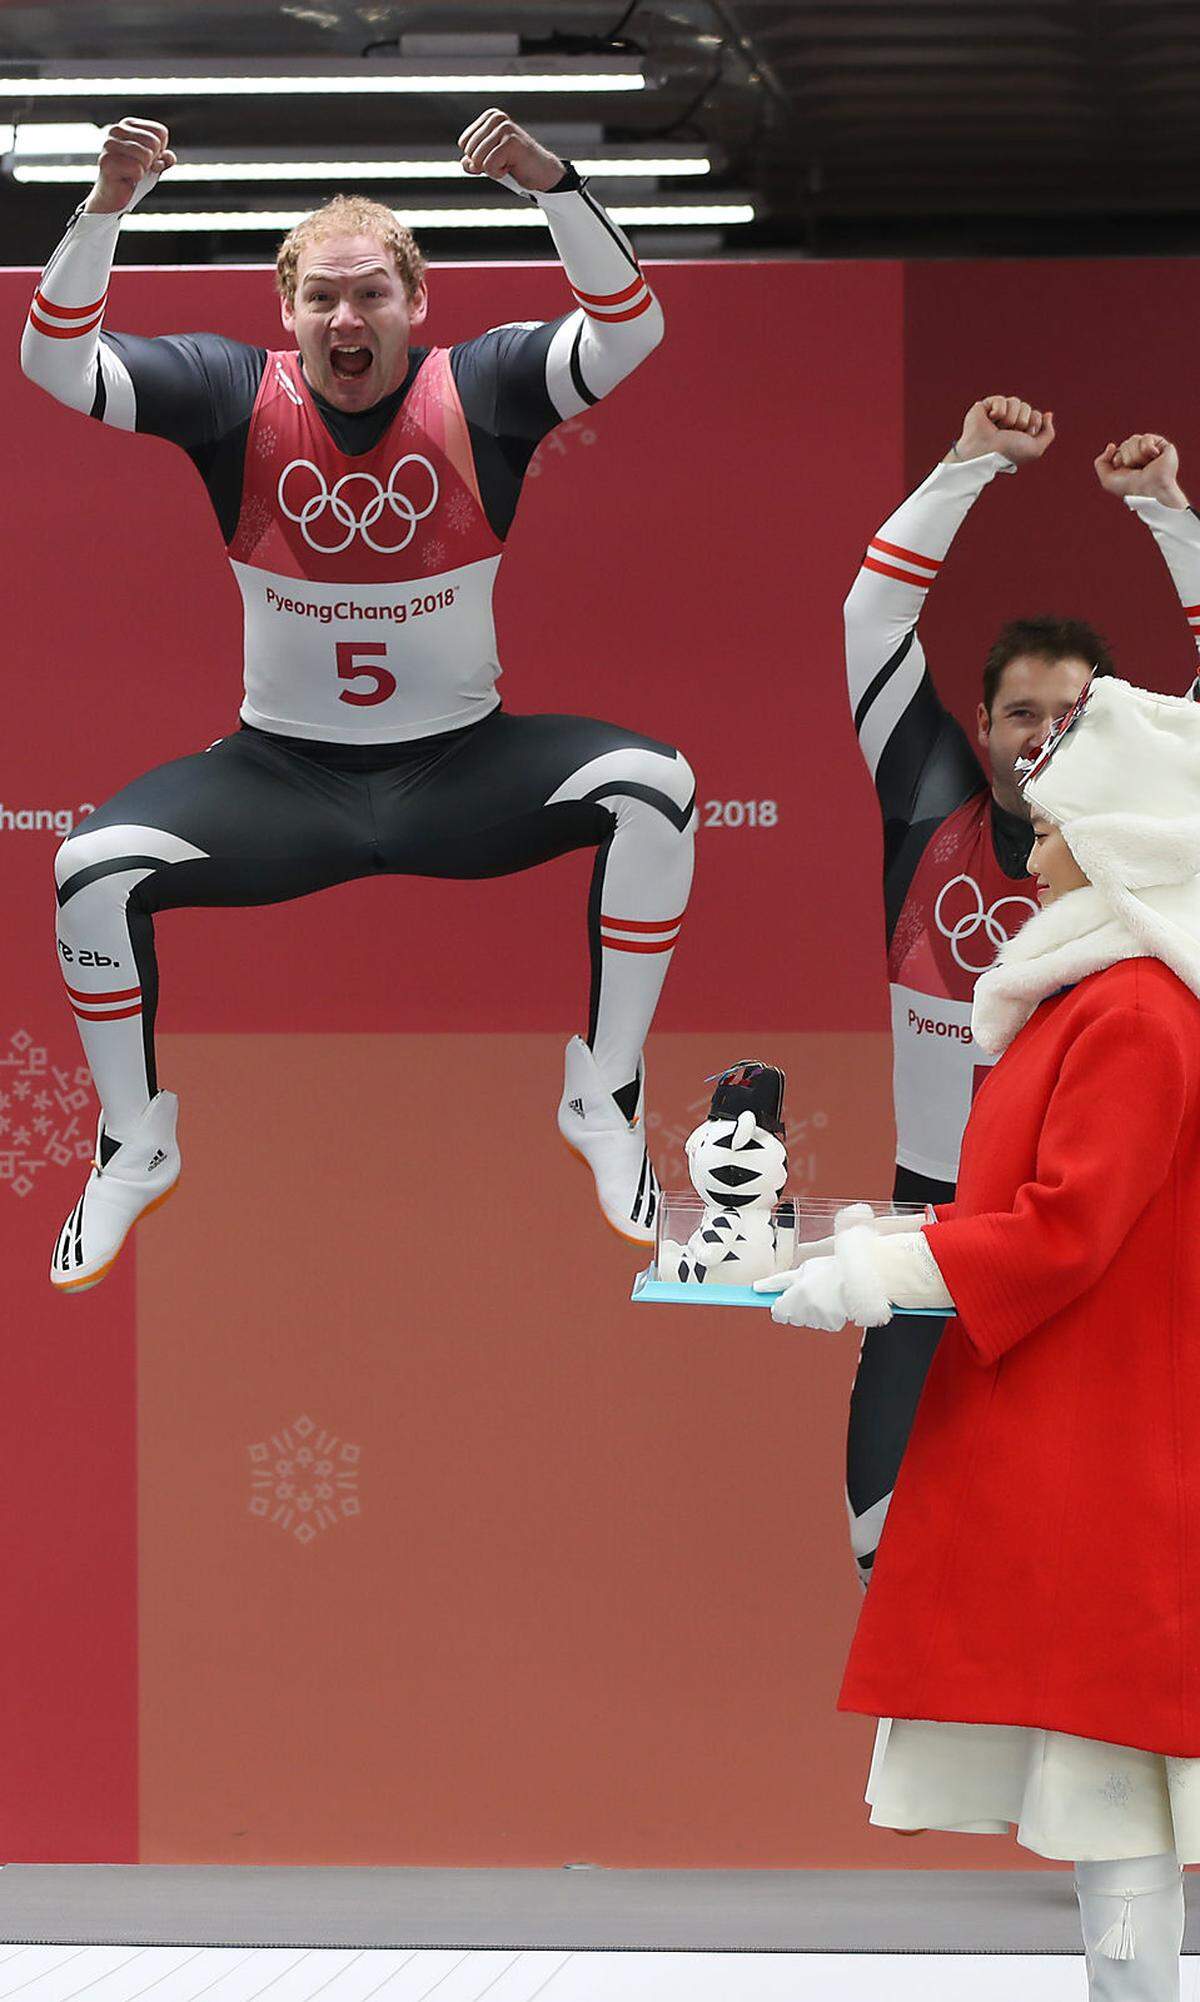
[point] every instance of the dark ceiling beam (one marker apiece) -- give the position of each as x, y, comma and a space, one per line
735, 35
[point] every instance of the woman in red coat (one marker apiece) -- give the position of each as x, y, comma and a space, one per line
1031, 1637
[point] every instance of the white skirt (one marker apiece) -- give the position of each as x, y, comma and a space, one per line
1077, 1800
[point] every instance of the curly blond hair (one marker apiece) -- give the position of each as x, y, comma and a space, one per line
355, 215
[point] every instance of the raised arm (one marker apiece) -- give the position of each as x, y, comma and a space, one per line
192, 389
61, 347
619, 321
905, 734
1143, 471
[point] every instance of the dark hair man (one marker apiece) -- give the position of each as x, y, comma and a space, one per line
957, 838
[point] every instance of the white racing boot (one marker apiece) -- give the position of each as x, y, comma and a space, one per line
135, 1180
614, 1148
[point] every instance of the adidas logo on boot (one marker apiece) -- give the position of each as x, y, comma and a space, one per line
595, 1128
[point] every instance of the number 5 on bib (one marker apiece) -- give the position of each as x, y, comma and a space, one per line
353, 665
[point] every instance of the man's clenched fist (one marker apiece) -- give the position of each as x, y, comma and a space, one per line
1005, 424
1145, 464
496, 145
132, 147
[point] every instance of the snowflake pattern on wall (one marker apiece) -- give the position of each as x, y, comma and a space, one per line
47, 1114
304, 1479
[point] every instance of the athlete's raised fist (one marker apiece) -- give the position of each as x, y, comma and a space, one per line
1005, 424
133, 148
1145, 464
496, 145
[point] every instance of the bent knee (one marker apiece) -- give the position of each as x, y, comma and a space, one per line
664, 773
79, 851
126, 852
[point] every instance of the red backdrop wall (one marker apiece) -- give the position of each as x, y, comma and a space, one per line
579, 1588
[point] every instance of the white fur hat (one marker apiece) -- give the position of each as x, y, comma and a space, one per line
1122, 781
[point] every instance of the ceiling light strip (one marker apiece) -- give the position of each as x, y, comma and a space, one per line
70, 173
367, 82
649, 215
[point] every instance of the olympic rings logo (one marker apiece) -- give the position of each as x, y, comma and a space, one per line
978, 920
332, 501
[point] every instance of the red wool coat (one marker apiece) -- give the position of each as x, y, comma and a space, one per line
1040, 1564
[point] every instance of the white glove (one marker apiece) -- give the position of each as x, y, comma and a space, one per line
823, 1247
877, 1264
826, 1292
814, 1296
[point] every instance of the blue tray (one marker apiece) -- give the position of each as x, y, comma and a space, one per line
669, 1293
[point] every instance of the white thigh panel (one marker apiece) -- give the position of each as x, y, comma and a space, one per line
109, 844
631, 764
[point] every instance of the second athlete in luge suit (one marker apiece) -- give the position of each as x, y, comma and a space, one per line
364, 486
957, 839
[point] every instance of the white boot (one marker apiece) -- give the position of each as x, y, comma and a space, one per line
1132, 1918
614, 1148
135, 1180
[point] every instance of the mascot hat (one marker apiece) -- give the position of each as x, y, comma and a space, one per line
1120, 777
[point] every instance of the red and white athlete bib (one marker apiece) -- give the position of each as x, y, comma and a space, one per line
959, 910
366, 581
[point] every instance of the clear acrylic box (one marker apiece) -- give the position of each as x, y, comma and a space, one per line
687, 1270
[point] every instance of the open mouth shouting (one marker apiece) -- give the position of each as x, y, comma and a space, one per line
350, 364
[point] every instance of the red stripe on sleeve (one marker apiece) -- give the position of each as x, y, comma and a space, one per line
902, 576
1191, 611
631, 312
609, 298
69, 312
906, 555
61, 333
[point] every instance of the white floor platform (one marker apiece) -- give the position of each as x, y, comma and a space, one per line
284, 1974
797, 1912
